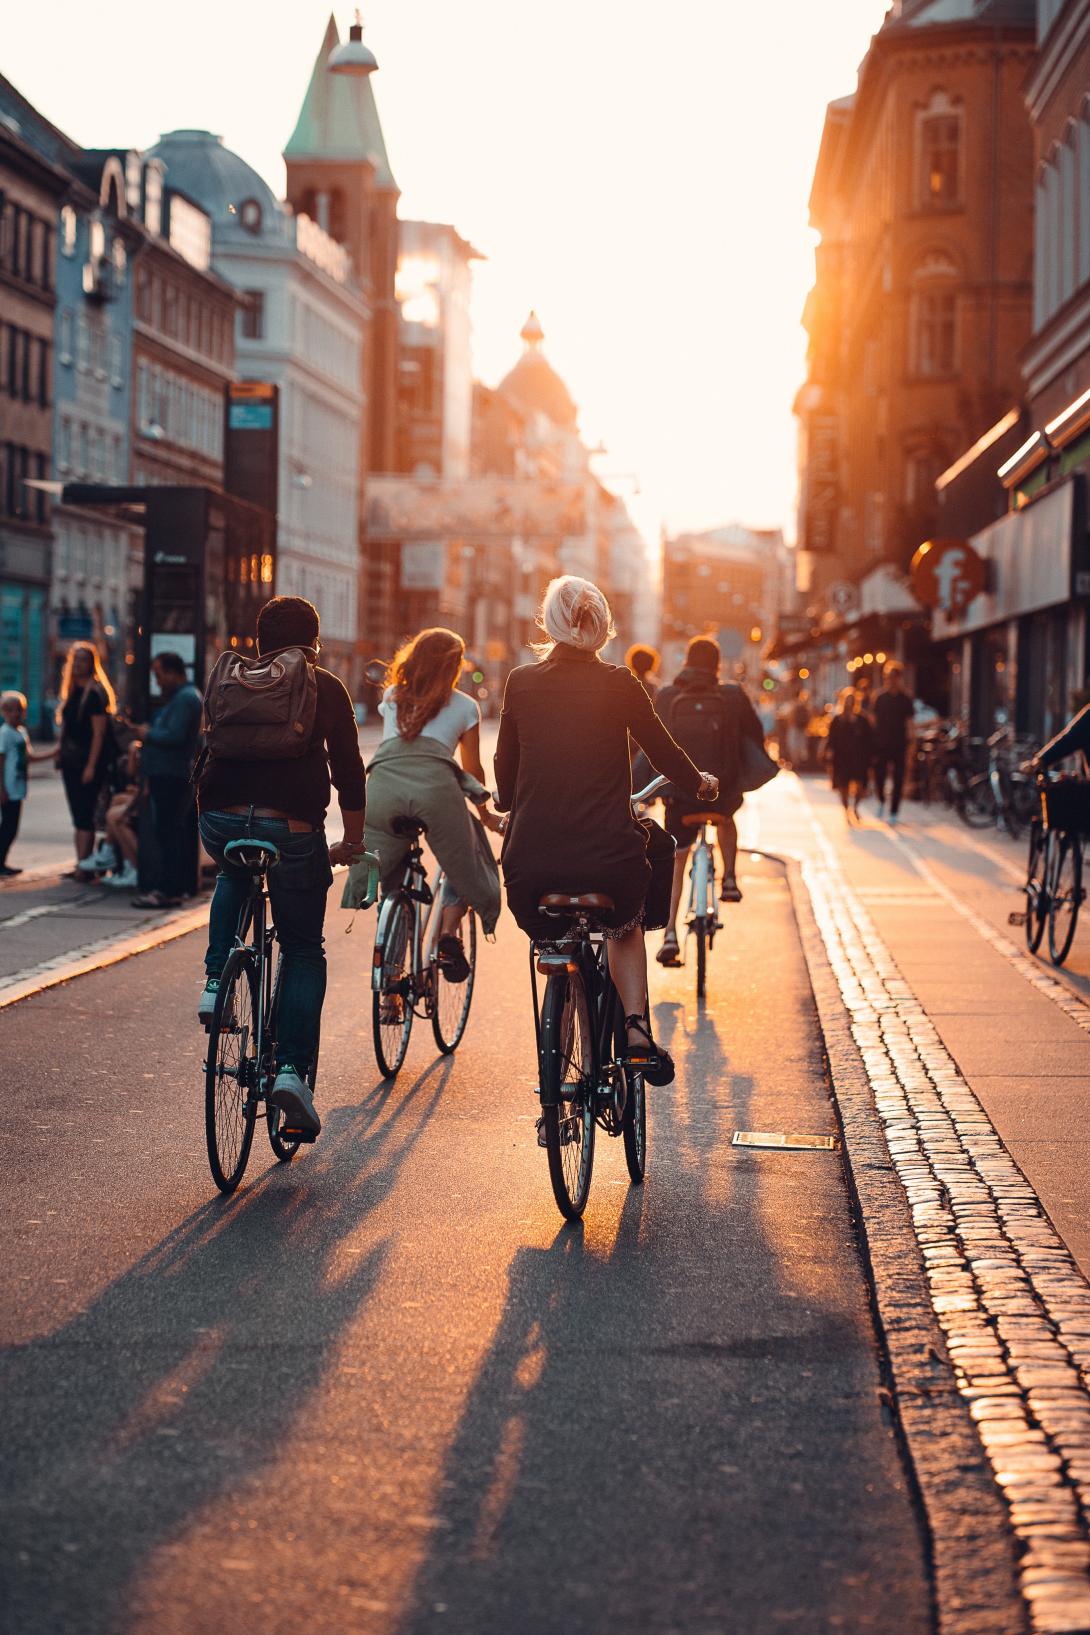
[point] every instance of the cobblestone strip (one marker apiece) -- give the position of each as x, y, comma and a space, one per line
1023, 961
1012, 1304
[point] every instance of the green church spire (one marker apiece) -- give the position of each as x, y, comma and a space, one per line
339, 119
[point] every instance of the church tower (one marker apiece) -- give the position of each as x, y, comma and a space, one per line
339, 175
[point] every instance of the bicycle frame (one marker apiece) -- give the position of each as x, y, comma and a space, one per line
424, 895
702, 878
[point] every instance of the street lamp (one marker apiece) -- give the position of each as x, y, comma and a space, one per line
352, 56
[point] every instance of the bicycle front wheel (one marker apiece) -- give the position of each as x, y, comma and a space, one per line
450, 1013
700, 932
567, 1091
231, 1073
1036, 887
1064, 895
392, 1001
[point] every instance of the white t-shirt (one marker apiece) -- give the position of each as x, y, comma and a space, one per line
453, 721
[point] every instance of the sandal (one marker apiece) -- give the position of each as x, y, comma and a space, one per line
670, 952
656, 1064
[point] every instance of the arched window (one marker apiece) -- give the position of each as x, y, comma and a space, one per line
933, 317
939, 137
249, 212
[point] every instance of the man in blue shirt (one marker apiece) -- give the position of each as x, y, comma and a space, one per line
169, 745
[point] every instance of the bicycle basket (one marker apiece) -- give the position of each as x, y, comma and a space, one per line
1067, 805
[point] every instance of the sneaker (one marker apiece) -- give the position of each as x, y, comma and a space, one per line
292, 1095
100, 861
893, 820
730, 892
7, 873
126, 878
452, 959
206, 1004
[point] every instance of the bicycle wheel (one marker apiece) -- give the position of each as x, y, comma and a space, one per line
450, 1012
230, 1080
700, 932
1020, 805
567, 1062
392, 1001
1064, 894
283, 1150
634, 1121
977, 804
1036, 887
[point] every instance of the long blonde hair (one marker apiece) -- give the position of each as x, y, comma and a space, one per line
98, 677
424, 674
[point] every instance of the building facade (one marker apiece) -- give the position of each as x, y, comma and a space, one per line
726, 583
31, 188
301, 322
922, 302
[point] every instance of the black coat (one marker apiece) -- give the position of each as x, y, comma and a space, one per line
850, 749
563, 772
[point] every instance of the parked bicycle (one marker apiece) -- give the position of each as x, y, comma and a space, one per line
589, 1076
407, 979
1003, 795
240, 1066
1054, 890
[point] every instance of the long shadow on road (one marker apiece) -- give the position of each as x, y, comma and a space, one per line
183, 1380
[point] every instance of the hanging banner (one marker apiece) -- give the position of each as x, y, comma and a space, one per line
429, 509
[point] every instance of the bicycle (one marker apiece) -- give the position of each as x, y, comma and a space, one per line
703, 920
587, 1078
407, 979
240, 1066
1054, 889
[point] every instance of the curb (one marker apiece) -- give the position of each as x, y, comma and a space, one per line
972, 1551
95, 956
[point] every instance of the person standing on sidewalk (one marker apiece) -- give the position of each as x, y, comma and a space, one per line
85, 750
284, 800
15, 754
169, 745
893, 710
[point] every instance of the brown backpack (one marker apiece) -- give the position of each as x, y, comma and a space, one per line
261, 709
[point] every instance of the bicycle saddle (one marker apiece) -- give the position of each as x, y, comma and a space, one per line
255, 855
564, 902
409, 828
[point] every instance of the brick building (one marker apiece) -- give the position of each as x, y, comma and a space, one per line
31, 188
923, 196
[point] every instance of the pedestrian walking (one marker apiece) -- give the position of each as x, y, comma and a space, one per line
169, 745
15, 755
798, 719
85, 751
893, 714
848, 750
282, 798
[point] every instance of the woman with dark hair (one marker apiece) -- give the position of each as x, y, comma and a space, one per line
413, 774
563, 772
849, 751
86, 703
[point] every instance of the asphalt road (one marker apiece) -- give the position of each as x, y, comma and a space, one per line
384, 1389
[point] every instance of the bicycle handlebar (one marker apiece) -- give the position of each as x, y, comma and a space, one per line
652, 789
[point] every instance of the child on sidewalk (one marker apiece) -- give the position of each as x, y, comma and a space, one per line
15, 755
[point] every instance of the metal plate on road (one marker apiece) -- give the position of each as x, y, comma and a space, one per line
782, 1139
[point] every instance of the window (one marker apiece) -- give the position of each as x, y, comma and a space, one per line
116, 362
44, 395
65, 354
252, 316
64, 445
83, 343
936, 333
938, 164
1084, 199
120, 261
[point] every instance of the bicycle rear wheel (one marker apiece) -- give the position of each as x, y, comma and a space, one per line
285, 1151
977, 805
231, 1071
1036, 887
567, 1091
392, 1001
450, 1012
1064, 894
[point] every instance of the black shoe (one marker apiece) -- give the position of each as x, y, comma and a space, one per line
730, 892
656, 1064
452, 959
6, 873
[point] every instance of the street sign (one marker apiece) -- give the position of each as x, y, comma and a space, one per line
842, 596
947, 574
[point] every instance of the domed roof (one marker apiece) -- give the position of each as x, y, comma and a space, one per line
534, 384
198, 164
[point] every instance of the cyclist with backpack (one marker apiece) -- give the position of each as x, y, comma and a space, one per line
280, 731
709, 719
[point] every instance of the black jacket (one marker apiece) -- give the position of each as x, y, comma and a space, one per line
742, 719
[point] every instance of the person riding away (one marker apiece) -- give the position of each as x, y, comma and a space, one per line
563, 772
284, 800
413, 775
709, 719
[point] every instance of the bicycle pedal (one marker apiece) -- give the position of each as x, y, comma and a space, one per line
305, 1138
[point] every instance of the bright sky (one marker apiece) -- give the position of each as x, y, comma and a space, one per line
637, 173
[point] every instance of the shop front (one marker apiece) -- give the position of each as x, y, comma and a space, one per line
1018, 651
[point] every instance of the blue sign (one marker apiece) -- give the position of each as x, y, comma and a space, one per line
250, 417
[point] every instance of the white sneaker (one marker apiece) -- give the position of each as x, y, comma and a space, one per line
126, 879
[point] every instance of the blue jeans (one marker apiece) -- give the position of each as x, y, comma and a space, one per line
298, 888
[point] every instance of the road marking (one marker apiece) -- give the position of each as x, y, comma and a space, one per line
1013, 1305
29, 914
95, 956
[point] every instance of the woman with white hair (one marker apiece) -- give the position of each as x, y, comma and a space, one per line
564, 774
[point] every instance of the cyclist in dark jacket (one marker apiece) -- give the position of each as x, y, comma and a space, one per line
1073, 740
733, 719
